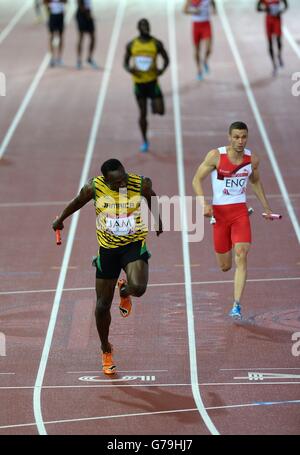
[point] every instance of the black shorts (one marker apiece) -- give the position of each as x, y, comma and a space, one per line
85, 23
56, 23
110, 261
148, 90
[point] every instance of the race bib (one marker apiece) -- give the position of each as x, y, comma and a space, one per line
121, 226
143, 63
274, 9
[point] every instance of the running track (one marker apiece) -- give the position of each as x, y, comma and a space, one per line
183, 367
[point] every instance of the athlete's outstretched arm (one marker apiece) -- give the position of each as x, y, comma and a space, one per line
206, 167
85, 195
150, 196
257, 185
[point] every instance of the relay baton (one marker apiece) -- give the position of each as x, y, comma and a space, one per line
273, 216
58, 237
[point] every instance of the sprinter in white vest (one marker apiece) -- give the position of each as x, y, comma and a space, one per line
56, 9
231, 168
202, 31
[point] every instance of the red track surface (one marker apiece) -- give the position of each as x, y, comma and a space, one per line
43, 164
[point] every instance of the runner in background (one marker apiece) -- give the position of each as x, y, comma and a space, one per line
202, 32
274, 9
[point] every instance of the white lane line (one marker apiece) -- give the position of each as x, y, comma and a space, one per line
31, 204
120, 371
113, 384
258, 117
153, 285
142, 414
29, 94
256, 369
54, 203
73, 226
10, 26
291, 41
184, 235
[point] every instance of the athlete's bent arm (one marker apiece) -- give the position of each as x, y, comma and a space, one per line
261, 6
206, 167
162, 51
150, 196
257, 185
85, 195
285, 4
127, 58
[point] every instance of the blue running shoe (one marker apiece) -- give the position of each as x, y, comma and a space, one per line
200, 76
235, 312
93, 64
144, 147
206, 68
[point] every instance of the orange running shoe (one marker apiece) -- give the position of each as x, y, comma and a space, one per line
125, 302
108, 365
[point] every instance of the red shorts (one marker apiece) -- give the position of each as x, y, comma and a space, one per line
201, 30
232, 226
273, 26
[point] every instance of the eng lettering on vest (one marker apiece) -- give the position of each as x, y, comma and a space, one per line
143, 63
235, 185
121, 225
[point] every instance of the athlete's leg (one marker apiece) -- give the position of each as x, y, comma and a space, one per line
158, 106
197, 56
61, 45
105, 289
142, 103
279, 46
207, 53
137, 279
241, 252
92, 44
224, 260
79, 47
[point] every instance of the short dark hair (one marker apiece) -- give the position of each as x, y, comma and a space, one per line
111, 165
238, 126
141, 21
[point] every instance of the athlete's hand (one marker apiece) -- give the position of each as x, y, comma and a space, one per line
160, 72
160, 229
207, 210
57, 225
267, 215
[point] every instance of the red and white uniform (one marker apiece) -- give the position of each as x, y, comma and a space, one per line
229, 183
201, 20
273, 18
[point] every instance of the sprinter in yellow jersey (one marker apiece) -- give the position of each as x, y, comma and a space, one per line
141, 61
121, 236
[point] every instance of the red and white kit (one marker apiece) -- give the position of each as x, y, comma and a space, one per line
201, 20
273, 19
229, 183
